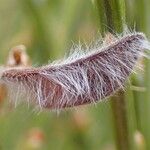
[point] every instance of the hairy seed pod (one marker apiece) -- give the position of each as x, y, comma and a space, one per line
86, 76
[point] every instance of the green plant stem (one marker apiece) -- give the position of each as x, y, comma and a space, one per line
118, 104
111, 14
142, 19
102, 16
147, 77
71, 19
112, 19
40, 31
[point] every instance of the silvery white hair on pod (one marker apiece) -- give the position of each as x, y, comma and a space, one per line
88, 75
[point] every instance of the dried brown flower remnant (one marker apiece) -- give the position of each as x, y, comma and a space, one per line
84, 77
18, 57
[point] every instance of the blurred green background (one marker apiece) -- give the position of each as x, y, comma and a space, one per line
47, 28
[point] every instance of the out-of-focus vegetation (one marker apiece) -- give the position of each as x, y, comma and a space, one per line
47, 28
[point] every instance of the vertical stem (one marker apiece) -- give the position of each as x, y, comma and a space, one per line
143, 22
118, 104
102, 15
147, 77
112, 19
42, 44
143, 99
111, 15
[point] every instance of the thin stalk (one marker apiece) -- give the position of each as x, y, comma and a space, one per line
143, 98
112, 19
138, 95
118, 104
71, 19
147, 77
111, 15
102, 16
42, 44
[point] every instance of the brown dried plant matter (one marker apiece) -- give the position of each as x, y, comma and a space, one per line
17, 58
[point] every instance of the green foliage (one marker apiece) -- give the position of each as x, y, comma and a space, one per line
47, 28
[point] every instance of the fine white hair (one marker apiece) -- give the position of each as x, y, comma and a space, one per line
87, 75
